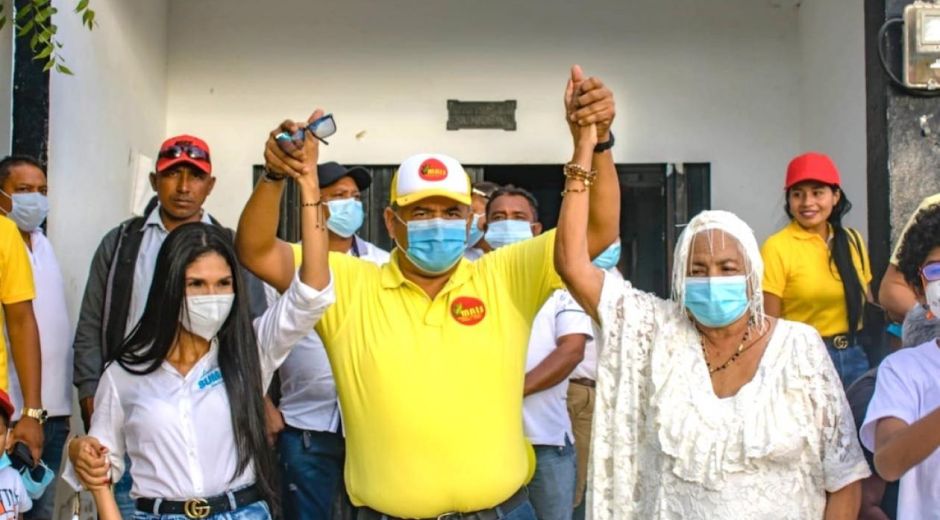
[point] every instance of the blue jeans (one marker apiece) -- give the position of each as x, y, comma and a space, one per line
524, 511
122, 492
552, 488
55, 431
254, 511
850, 363
312, 472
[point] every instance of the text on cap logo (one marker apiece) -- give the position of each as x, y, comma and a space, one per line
432, 170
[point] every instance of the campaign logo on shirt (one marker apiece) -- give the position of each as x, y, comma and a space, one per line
432, 170
213, 378
468, 310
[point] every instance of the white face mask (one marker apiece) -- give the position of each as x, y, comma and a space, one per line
932, 293
204, 315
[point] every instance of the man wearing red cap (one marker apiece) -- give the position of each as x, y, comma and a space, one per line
122, 268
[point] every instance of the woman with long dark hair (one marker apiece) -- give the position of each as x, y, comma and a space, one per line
183, 398
816, 269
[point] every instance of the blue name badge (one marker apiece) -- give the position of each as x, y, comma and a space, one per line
213, 378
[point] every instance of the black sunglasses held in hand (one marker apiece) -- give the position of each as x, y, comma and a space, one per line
320, 128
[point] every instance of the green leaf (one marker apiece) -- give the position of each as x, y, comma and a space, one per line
21, 13
86, 17
34, 41
45, 53
49, 64
24, 30
64, 70
43, 15
81, 6
3, 21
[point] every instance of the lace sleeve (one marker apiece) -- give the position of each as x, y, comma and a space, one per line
840, 452
628, 318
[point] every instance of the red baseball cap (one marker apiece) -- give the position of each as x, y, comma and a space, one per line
812, 166
6, 403
184, 149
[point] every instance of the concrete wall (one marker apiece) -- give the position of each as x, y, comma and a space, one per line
113, 107
713, 81
6, 87
832, 93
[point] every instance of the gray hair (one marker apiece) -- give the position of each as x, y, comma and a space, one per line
918, 328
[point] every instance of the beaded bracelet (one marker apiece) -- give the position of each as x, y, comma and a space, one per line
577, 172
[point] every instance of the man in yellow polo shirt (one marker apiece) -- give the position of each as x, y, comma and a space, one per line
16, 295
428, 351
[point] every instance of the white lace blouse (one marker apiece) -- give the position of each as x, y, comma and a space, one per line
665, 446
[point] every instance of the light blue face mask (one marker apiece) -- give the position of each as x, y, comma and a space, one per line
29, 210
504, 232
475, 232
716, 301
346, 216
436, 245
33, 488
609, 257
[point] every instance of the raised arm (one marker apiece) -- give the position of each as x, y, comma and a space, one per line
592, 103
256, 242
573, 247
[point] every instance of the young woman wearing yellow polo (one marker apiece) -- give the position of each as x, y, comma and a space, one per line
817, 270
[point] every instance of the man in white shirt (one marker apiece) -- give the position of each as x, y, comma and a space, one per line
307, 421
23, 179
560, 331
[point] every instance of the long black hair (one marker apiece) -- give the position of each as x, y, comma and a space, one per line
149, 343
840, 255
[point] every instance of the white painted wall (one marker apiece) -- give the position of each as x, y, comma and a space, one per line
832, 93
714, 81
114, 106
6, 87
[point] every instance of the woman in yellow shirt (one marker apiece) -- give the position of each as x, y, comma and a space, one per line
816, 270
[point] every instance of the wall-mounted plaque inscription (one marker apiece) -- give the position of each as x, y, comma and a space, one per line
481, 114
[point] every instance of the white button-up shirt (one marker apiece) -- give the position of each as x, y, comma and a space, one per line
155, 232
177, 429
55, 332
308, 391
545, 413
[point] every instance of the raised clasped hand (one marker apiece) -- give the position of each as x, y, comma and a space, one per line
588, 103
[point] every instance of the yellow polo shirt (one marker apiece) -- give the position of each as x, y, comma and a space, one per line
16, 281
798, 271
431, 390
924, 204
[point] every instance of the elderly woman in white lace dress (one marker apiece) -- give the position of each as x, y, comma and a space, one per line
706, 407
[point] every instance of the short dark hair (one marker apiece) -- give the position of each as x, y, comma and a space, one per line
510, 189
12, 161
485, 189
5, 416
920, 238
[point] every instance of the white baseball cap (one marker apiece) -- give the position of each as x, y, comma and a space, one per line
430, 175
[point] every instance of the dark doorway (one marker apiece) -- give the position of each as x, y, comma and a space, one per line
657, 199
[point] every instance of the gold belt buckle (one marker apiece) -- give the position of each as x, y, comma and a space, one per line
840, 342
197, 508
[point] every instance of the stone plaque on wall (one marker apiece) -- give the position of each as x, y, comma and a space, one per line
481, 114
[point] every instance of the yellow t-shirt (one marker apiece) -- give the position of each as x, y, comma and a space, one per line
431, 391
798, 271
16, 281
924, 204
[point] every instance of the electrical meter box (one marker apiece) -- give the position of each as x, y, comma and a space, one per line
922, 45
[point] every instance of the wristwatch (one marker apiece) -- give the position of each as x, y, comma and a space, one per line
40, 414
606, 145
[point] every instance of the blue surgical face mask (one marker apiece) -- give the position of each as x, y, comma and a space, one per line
346, 216
609, 257
5, 461
475, 232
716, 301
436, 245
29, 210
504, 232
35, 488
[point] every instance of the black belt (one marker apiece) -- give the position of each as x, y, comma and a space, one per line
838, 342
200, 507
583, 381
493, 513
